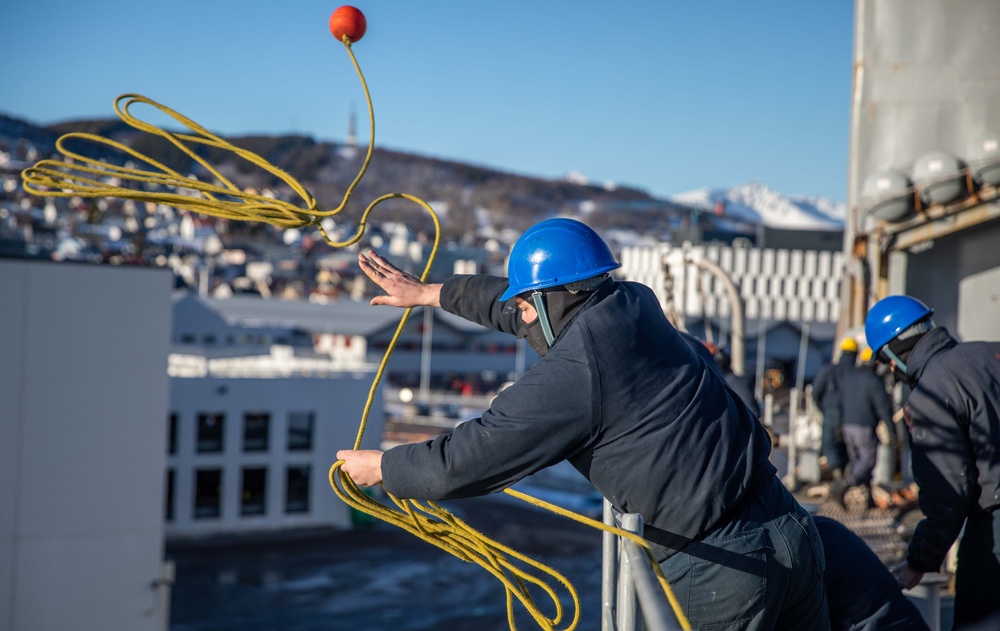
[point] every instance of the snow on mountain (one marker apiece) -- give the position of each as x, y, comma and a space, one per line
755, 203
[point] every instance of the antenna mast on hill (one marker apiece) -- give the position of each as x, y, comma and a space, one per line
352, 128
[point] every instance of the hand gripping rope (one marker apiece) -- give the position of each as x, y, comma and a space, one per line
80, 176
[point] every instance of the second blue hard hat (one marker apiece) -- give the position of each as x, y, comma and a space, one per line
556, 252
891, 316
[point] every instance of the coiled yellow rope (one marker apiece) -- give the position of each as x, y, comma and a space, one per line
80, 176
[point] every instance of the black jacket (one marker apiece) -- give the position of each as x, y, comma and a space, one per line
827, 385
743, 389
953, 414
865, 400
621, 396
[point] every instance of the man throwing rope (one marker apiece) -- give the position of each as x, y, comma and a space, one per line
620, 395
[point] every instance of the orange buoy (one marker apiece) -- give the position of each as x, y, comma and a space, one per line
349, 22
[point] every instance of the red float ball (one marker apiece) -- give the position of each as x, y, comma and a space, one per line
348, 22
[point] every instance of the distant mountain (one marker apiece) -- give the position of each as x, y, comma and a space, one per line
463, 195
470, 199
755, 203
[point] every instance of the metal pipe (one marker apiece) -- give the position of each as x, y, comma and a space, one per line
800, 368
926, 596
792, 476
761, 356
608, 561
738, 354
425, 354
631, 522
656, 612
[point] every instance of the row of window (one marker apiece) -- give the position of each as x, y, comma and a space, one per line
253, 492
491, 348
210, 432
248, 339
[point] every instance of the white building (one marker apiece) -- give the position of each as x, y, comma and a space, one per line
251, 450
83, 397
263, 393
790, 299
257, 414
348, 332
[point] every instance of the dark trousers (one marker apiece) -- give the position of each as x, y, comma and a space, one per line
977, 579
762, 570
832, 447
862, 447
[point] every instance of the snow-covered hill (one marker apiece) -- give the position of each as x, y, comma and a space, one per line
755, 203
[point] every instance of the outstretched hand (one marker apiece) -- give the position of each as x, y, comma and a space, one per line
404, 290
907, 576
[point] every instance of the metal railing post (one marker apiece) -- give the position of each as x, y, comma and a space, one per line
926, 595
626, 581
656, 612
792, 476
608, 571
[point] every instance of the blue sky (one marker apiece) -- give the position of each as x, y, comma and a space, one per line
662, 95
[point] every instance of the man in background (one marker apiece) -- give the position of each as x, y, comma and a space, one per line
828, 397
953, 418
865, 402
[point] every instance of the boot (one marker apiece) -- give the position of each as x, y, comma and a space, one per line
838, 489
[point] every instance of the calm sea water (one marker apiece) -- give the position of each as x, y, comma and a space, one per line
376, 578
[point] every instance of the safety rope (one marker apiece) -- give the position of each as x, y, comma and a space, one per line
81, 176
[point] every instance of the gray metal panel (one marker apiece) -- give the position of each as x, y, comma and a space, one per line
12, 289
979, 306
87, 522
949, 277
96, 384
927, 78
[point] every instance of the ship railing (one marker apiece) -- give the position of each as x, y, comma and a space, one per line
628, 584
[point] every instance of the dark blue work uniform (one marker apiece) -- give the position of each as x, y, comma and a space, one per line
828, 396
863, 595
953, 416
623, 397
866, 401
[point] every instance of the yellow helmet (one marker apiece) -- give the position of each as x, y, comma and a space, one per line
866, 354
849, 345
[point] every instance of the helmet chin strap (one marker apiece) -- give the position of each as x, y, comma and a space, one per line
900, 364
538, 299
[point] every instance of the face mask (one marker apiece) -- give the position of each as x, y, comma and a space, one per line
561, 306
535, 336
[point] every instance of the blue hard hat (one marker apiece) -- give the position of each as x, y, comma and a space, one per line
556, 252
891, 316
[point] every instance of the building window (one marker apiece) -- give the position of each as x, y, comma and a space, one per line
210, 427
172, 434
297, 490
254, 494
188, 338
169, 508
207, 493
255, 431
300, 430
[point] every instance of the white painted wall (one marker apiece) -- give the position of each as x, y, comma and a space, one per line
83, 395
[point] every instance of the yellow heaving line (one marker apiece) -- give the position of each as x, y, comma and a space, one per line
80, 176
